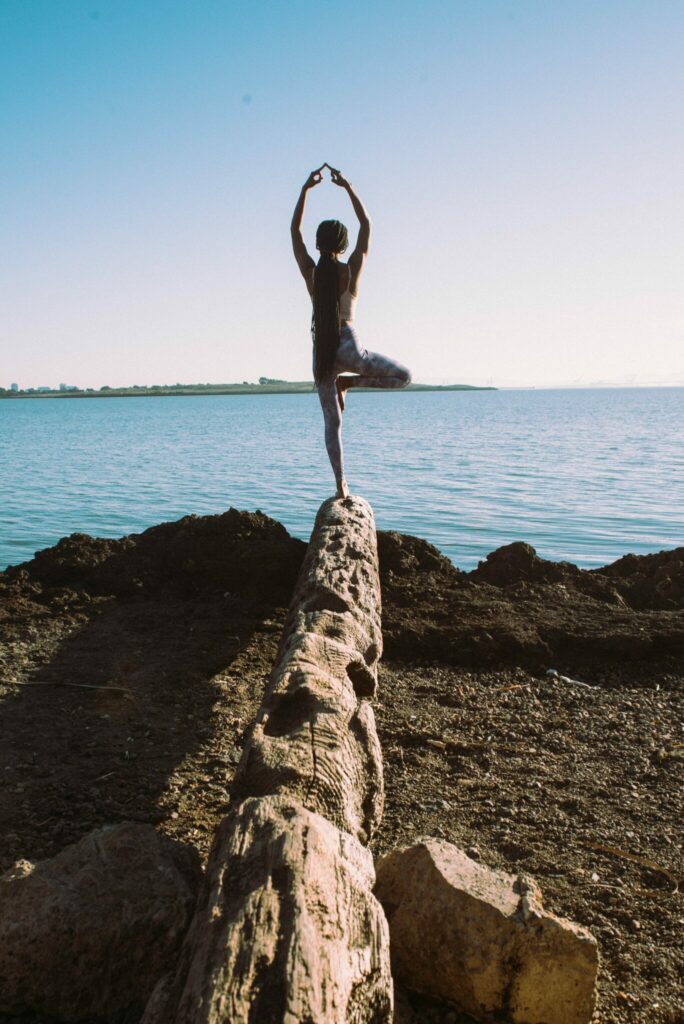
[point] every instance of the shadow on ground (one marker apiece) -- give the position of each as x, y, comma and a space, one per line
146, 659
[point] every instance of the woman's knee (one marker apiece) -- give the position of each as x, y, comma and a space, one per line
376, 364
331, 410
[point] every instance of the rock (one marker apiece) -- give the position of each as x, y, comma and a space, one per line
88, 932
481, 939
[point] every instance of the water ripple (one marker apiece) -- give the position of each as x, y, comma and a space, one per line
582, 475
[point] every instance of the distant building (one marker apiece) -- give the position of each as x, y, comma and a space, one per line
68, 387
43, 389
14, 387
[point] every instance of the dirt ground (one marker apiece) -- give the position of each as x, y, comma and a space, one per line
130, 670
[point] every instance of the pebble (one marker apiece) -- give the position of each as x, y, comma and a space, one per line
436, 744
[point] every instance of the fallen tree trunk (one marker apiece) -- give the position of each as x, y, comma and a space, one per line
287, 928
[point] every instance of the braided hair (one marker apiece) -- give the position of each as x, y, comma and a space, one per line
331, 239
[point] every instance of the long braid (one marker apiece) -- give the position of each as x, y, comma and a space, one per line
331, 238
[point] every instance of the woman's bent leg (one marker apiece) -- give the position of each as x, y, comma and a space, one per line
378, 371
332, 417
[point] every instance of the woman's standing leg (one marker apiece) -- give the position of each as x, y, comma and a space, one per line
332, 417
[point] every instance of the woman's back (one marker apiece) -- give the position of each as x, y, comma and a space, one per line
347, 297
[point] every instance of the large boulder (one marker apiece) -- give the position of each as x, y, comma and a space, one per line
88, 933
481, 939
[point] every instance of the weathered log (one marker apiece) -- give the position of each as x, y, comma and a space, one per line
287, 928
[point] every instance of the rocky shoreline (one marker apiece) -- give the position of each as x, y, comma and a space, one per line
529, 711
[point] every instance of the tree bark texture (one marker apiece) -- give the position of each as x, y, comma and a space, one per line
287, 928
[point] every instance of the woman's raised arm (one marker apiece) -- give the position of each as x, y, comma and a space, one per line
304, 261
357, 258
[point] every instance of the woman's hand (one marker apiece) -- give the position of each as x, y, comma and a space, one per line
338, 178
315, 178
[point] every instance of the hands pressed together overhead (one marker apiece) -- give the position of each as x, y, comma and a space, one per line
316, 177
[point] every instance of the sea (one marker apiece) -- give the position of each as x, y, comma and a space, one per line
583, 475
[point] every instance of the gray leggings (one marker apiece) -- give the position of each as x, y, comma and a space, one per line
374, 371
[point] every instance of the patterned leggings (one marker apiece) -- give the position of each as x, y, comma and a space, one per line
374, 371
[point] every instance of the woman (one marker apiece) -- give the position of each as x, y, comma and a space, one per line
333, 287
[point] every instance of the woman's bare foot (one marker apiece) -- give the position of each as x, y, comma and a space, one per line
342, 489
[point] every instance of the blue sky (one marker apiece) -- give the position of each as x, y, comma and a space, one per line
521, 163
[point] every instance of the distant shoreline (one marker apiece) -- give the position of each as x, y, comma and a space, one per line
280, 388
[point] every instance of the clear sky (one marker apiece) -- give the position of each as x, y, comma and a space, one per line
521, 162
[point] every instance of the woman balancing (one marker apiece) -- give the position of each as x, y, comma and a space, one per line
333, 287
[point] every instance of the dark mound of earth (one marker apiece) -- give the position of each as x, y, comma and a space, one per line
130, 670
515, 608
621, 621
245, 552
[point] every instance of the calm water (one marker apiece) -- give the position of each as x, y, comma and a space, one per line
581, 475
